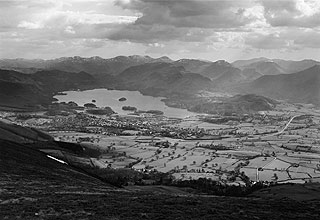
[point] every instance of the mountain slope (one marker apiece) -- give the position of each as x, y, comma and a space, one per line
162, 79
19, 134
193, 65
27, 91
295, 66
297, 87
56, 80
27, 170
244, 63
239, 104
267, 68
36, 187
275, 66
219, 68
20, 90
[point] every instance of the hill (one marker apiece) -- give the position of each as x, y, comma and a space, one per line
219, 68
220, 72
193, 65
162, 79
300, 87
18, 134
243, 63
29, 91
56, 80
239, 104
34, 186
267, 66
295, 66
299, 192
19, 90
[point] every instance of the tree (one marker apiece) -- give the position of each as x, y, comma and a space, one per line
275, 177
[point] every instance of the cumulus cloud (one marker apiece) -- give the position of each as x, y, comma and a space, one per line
290, 39
267, 41
208, 28
172, 20
29, 25
299, 13
190, 13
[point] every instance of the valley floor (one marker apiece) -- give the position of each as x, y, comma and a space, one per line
277, 146
280, 146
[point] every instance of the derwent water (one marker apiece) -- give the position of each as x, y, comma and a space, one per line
105, 97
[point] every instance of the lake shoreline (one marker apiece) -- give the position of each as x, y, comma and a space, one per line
110, 97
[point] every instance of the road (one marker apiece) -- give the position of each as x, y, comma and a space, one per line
285, 127
275, 134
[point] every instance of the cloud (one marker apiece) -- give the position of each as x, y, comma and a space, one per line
29, 25
154, 33
267, 41
289, 39
205, 28
297, 13
201, 14
307, 38
172, 20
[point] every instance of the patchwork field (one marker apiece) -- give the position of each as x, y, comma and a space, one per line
282, 145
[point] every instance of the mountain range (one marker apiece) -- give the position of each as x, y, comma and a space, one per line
113, 66
35, 81
274, 66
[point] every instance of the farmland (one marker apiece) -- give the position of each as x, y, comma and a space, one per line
282, 145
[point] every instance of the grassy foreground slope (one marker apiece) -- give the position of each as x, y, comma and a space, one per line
32, 186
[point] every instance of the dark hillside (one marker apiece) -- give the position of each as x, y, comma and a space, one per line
29, 91
55, 80
33, 186
21, 90
239, 104
19, 134
163, 79
296, 87
36, 187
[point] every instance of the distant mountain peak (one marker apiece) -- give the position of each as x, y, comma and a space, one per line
96, 58
222, 62
165, 59
140, 58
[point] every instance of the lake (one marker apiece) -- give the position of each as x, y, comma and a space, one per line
105, 97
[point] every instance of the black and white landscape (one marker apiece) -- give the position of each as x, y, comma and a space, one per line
156, 109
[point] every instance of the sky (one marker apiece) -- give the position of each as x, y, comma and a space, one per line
199, 29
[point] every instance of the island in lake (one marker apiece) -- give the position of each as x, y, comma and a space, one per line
122, 99
100, 111
129, 108
90, 105
155, 112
